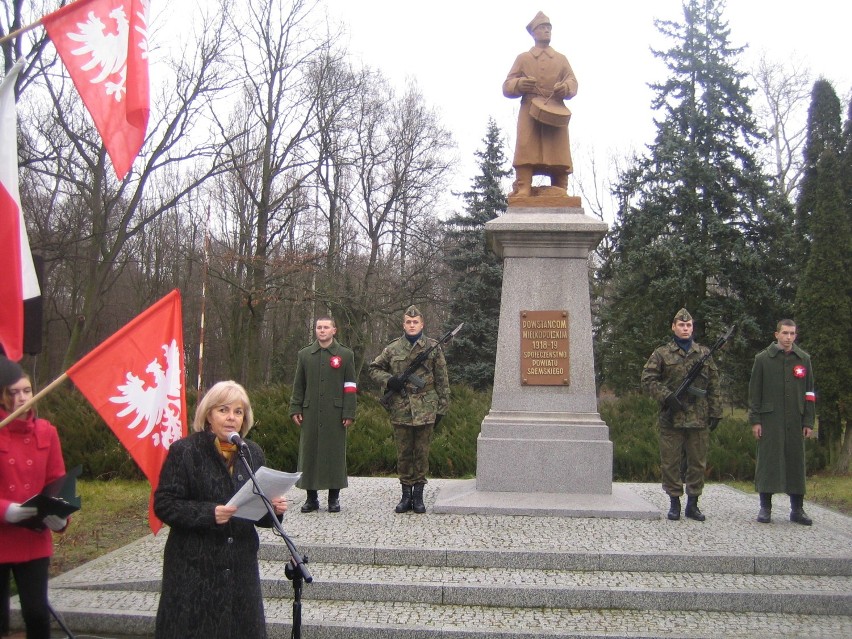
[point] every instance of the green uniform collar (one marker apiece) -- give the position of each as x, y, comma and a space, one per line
332, 348
774, 350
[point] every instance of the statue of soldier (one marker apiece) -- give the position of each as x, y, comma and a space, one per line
542, 78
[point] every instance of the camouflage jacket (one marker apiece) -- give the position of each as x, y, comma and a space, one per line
413, 406
665, 370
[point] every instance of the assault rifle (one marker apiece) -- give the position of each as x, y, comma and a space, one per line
692, 375
408, 375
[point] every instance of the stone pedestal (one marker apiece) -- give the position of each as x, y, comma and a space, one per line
544, 449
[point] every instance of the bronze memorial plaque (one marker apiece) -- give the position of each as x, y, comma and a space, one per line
544, 348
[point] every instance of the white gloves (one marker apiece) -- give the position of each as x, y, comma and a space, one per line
16, 513
55, 522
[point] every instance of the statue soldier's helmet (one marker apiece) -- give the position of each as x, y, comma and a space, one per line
539, 19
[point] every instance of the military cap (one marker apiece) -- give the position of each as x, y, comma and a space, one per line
539, 19
413, 311
682, 316
10, 372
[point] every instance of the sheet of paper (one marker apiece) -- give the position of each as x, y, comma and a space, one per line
274, 483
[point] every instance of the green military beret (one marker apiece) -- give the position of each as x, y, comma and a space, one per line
682, 316
413, 311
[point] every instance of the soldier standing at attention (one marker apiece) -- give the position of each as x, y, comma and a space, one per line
685, 422
414, 411
323, 405
781, 411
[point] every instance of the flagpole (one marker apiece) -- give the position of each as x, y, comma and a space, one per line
44, 391
21, 31
30, 27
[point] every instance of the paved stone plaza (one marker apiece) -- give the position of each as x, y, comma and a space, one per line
379, 574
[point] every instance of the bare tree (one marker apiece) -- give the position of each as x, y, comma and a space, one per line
783, 112
267, 157
402, 163
65, 169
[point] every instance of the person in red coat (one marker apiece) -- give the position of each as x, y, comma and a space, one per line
30, 458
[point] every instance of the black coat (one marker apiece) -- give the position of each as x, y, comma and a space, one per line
211, 580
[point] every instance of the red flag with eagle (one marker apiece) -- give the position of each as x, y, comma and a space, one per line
104, 46
135, 380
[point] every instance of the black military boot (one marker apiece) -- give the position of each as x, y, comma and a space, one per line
417, 499
797, 512
764, 515
334, 500
404, 504
674, 509
692, 508
311, 503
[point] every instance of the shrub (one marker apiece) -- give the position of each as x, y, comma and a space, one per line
632, 422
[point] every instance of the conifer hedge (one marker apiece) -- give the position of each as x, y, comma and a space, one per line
632, 422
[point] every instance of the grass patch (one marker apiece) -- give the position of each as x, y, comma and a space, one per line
825, 489
114, 513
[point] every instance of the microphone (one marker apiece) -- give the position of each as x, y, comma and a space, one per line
235, 439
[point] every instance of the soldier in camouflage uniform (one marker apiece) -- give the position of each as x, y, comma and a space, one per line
685, 422
414, 412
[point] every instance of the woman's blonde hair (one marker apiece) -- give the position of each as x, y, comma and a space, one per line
223, 393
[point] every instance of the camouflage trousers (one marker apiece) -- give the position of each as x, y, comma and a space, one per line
412, 452
674, 444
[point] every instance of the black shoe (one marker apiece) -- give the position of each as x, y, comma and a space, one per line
692, 510
310, 505
764, 516
417, 504
674, 509
404, 504
333, 505
800, 517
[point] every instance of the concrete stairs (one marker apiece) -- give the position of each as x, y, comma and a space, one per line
408, 593
502, 577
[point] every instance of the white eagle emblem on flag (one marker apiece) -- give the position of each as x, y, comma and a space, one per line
107, 51
157, 405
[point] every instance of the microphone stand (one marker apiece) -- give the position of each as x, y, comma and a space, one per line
295, 570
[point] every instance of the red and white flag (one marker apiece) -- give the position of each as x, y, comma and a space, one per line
18, 280
135, 380
104, 46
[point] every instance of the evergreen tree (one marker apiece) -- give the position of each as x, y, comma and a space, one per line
824, 299
823, 133
699, 223
475, 293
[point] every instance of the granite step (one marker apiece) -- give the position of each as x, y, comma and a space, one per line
119, 613
382, 575
526, 588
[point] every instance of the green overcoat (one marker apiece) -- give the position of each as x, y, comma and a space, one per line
414, 407
781, 399
324, 393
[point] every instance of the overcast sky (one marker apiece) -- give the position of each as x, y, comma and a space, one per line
459, 52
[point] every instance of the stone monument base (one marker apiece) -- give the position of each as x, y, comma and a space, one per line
460, 497
553, 452
543, 448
